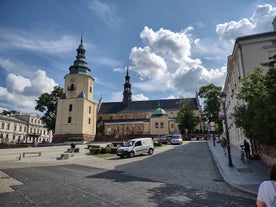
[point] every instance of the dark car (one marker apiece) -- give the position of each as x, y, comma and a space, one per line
164, 139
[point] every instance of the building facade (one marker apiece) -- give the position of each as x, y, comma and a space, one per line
76, 112
23, 128
148, 118
249, 52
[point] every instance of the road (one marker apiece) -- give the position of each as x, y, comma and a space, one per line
177, 176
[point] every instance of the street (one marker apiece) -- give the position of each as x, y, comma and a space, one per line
183, 175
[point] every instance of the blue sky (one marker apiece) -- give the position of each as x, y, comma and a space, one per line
172, 47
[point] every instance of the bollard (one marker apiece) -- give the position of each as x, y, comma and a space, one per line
20, 157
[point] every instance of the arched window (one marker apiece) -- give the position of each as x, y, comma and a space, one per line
70, 107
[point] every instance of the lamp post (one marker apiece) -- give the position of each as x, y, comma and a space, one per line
223, 99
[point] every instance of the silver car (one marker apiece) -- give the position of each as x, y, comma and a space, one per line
176, 139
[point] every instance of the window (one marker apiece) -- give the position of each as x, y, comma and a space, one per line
156, 125
89, 121
90, 89
3, 125
139, 143
69, 119
111, 118
89, 109
72, 87
161, 125
15, 127
70, 107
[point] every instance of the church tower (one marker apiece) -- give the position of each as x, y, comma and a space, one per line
76, 112
127, 90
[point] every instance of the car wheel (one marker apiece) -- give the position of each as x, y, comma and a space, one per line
131, 154
150, 151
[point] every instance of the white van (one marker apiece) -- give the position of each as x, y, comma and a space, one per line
135, 147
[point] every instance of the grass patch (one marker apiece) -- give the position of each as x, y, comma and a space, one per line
106, 155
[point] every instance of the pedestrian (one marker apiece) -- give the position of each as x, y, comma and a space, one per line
246, 149
267, 190
223, 144
73, 146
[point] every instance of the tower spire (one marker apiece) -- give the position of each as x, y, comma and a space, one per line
80, 64
127, 90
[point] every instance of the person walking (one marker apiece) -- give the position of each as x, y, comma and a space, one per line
246, 149
267, 190
73, 146
223, 144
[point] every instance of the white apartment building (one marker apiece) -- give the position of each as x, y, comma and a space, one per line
248, 53
23, 128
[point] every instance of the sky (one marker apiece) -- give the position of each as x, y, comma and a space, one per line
171, 47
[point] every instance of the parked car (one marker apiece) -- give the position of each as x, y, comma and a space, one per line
164, 139
135, 147
176, 139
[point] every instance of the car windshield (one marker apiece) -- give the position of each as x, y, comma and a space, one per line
176, 137
129, 144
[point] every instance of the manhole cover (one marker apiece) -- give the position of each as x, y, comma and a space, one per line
244, 170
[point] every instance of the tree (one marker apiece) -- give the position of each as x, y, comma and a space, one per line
185, 116
252, 93
211, 96
47, 103
257, 116
269, 118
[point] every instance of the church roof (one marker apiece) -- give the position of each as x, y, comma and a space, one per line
143, 106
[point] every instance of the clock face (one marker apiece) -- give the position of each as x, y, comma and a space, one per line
72, 80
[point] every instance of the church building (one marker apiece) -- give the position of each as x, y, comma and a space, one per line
76, 112
142, 118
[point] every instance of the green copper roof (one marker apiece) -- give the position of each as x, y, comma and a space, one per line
80, 64
158, 112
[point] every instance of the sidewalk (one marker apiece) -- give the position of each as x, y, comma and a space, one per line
245, 176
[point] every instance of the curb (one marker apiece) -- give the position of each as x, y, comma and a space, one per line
223, 175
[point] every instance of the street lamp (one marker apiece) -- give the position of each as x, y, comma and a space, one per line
223, 99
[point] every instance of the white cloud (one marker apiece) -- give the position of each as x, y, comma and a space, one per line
22, 92
40, 83
18, 39
166, 63
139, 97
106, 12
260, 21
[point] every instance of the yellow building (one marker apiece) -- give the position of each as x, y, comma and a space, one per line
142, 118
76, 112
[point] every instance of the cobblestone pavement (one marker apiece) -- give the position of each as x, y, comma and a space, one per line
174, 176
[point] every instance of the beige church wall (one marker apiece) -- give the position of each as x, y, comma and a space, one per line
89, 112
159, 131
82, 83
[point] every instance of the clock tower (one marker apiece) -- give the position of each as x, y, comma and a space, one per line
76, 112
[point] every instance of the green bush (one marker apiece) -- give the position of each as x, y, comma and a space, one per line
103, 150
89, 146
113, 150
158, 144
75, 139
95, 151
116, 144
